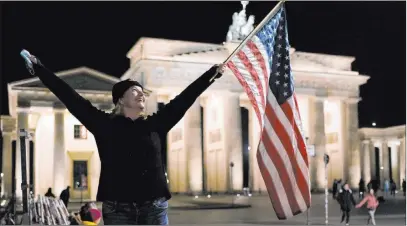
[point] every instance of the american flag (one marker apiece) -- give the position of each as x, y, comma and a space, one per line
263, 68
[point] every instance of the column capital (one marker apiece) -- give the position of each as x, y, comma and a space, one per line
394, 142
366, 141
245, 102
377, 143
8, 124
320, 98
203, 100
25, 110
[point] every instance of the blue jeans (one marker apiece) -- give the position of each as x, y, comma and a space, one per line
122, 213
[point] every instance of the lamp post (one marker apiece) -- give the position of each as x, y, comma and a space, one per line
326, 161
231, 182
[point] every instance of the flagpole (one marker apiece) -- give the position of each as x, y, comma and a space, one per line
248, 37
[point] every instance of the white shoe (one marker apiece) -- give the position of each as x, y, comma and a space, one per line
28, 61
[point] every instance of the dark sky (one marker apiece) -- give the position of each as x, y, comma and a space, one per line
98, 35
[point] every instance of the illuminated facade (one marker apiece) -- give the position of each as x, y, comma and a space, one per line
212, 135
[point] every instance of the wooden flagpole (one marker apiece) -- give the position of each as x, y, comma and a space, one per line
248, 37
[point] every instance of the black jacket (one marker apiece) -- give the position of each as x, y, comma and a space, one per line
64, 196
130, 150
346, 200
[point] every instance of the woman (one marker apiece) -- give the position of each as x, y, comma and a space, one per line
372, 204
346, 201
132, 184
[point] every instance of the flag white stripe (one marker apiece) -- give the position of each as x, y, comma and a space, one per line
256, 65
290, 130
264, 54
297, 117
287, 163
252, 85
275, 177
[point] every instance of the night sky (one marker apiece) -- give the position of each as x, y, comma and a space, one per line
98, 35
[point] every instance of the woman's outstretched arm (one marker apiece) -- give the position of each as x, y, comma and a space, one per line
91, 117
173, 112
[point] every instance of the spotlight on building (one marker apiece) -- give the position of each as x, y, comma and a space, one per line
382, 168
196, 197
373, 124
238, 195
209, 196
250, 195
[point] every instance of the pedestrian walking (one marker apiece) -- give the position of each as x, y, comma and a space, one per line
372, 204
346, 201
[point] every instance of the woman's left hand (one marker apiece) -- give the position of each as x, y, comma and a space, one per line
217, 70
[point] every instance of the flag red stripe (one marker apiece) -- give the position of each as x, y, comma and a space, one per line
246, 87
289, 149
282, 171
249, 67
256, 52
302, 180
274, 196
300, 142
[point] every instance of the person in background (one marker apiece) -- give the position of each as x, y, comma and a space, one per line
386, 187
361, 188
334, 188
49, 193
346, 201
64, 196
393, 188
403, 185
372, 204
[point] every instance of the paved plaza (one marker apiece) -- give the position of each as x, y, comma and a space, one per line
391, 212
215, 211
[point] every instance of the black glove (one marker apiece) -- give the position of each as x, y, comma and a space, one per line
215, 70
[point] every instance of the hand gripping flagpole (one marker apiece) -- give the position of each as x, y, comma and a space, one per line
248, 37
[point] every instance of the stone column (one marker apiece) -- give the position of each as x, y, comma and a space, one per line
8, 127
233, 139
317, 138
365, 163
193, 144
385, 162
22, 117
353, 155
402, 159
395, 149
59, 149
